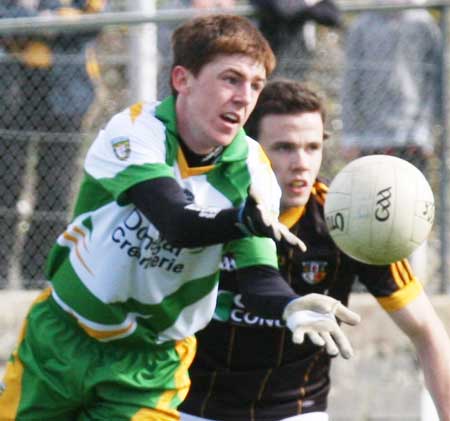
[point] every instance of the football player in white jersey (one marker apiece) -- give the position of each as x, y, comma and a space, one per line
165, 195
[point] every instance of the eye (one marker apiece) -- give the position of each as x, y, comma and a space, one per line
231, 79
316, 146
257, 86
283, 147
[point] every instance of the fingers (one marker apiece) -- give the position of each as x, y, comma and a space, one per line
346, 315
276, 232
316, 338
269, 222
291, 238
279, 231
330, 345
333, 338
298, 336
342, 342
322, 330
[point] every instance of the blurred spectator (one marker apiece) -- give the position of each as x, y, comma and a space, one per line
46, 87
290, 28
165, 31
391, 82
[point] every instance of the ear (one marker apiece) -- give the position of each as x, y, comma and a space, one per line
181, 79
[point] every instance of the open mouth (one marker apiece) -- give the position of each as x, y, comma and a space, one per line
232, 118
298, 184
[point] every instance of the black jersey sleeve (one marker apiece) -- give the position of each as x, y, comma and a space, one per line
264, 291
179, 220
394, 285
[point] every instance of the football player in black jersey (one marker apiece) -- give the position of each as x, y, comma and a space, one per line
247, 367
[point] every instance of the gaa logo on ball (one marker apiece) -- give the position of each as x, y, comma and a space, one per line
379, 209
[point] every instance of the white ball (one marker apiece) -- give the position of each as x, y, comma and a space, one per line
379, 209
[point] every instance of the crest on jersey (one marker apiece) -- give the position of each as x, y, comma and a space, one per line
121, 147
314, 271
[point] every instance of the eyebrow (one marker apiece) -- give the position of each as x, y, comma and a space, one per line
242, 75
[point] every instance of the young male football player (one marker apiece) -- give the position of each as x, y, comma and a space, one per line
134, 276
246, 367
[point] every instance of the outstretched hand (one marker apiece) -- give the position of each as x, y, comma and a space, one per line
255, 219
315, 315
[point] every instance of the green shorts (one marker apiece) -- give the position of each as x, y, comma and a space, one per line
59, 373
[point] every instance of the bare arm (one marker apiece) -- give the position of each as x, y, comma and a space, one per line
419, 321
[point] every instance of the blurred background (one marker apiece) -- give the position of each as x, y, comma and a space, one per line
66, 67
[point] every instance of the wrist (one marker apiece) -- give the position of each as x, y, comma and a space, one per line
291, 307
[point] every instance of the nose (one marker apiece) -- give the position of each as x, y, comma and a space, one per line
244, 94
298, 159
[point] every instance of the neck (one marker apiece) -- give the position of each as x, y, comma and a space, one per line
195, 160
186, 132
291, 215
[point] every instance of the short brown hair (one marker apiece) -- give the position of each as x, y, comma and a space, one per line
284, 96
200, 40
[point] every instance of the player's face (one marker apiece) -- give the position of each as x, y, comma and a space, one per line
294, 145
213, 106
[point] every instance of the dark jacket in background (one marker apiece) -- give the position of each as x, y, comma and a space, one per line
289, 26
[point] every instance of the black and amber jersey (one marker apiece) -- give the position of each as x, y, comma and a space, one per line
247, 367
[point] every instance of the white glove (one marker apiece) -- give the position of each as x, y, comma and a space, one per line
315, 315
255, 219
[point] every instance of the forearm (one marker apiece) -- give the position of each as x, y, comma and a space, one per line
434, 355
419, 321
264, 292
184, 223
181, 222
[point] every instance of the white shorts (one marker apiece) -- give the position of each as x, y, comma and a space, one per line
312, 416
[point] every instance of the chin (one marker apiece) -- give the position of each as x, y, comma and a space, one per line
224, 141
225, 138
298, 202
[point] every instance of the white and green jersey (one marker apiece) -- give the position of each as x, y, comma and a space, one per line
113, 270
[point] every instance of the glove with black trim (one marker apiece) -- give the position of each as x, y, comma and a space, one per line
315, 315
255, 219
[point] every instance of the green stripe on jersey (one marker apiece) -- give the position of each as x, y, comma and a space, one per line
132, 175
250, 249
91, 196
164, 314
95, 193
158, 317
231, 180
